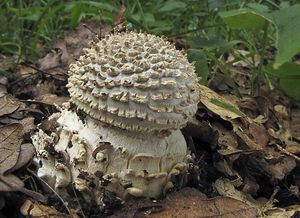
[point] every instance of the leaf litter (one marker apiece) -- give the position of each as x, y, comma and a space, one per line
246, 150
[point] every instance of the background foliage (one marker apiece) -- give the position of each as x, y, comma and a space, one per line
208, 29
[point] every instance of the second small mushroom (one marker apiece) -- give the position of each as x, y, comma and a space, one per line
130, 95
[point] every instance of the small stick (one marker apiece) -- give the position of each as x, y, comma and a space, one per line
287, 152
60, 198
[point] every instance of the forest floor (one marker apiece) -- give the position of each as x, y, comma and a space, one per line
246, 149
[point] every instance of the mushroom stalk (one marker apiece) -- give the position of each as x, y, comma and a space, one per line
128, 162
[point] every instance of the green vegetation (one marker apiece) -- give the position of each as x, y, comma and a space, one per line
209, 29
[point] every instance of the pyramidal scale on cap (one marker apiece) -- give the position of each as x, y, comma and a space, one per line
136, 91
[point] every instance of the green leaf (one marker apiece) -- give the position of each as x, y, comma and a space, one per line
149, 18
101, 5
258, 7
209, 44
285, 20
172, 5
287, 24
199, 57
30, 13
227, 106
289, 78
244, 19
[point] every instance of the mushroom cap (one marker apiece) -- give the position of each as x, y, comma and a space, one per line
135, 81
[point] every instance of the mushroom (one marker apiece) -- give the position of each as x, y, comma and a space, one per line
130, 95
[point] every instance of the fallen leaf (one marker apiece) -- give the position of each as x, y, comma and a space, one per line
43, 88
33, 208
190, 203
295, 123
70, 48
242, 134
8, 104
219, 105
25, 73
79, 38
288, 212
10, 142
3, 80
10, 183
28, 125
52, 99
6, 62
226, 188
259, 134
227, 140
243, 58
27, 152
279, 168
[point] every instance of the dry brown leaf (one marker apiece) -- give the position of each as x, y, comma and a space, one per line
226, 168
26, 154
10, 142
247, 61
78, 39
279, 167
287, 212
294, 148
33, 208
28, 125
259, 134
8, 104
24, 72
219, 105
3, 80
53, 99
190, 203
6, 62
43, 88
295, 123
10, 183
244, 135
70, 48
227, 140
227, 189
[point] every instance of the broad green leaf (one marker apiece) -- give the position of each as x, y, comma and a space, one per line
198, 56
288, 75
244, 19
209, 44
285, 4
287, 22
258, 7
213, 4
172, 5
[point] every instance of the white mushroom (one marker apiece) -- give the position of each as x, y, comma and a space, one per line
136, 91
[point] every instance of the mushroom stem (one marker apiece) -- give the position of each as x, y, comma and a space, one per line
126, 162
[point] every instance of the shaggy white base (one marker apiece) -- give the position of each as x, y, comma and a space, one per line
92, 156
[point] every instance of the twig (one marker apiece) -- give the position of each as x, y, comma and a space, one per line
45, 183
80, 208
287, 152
16, 187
